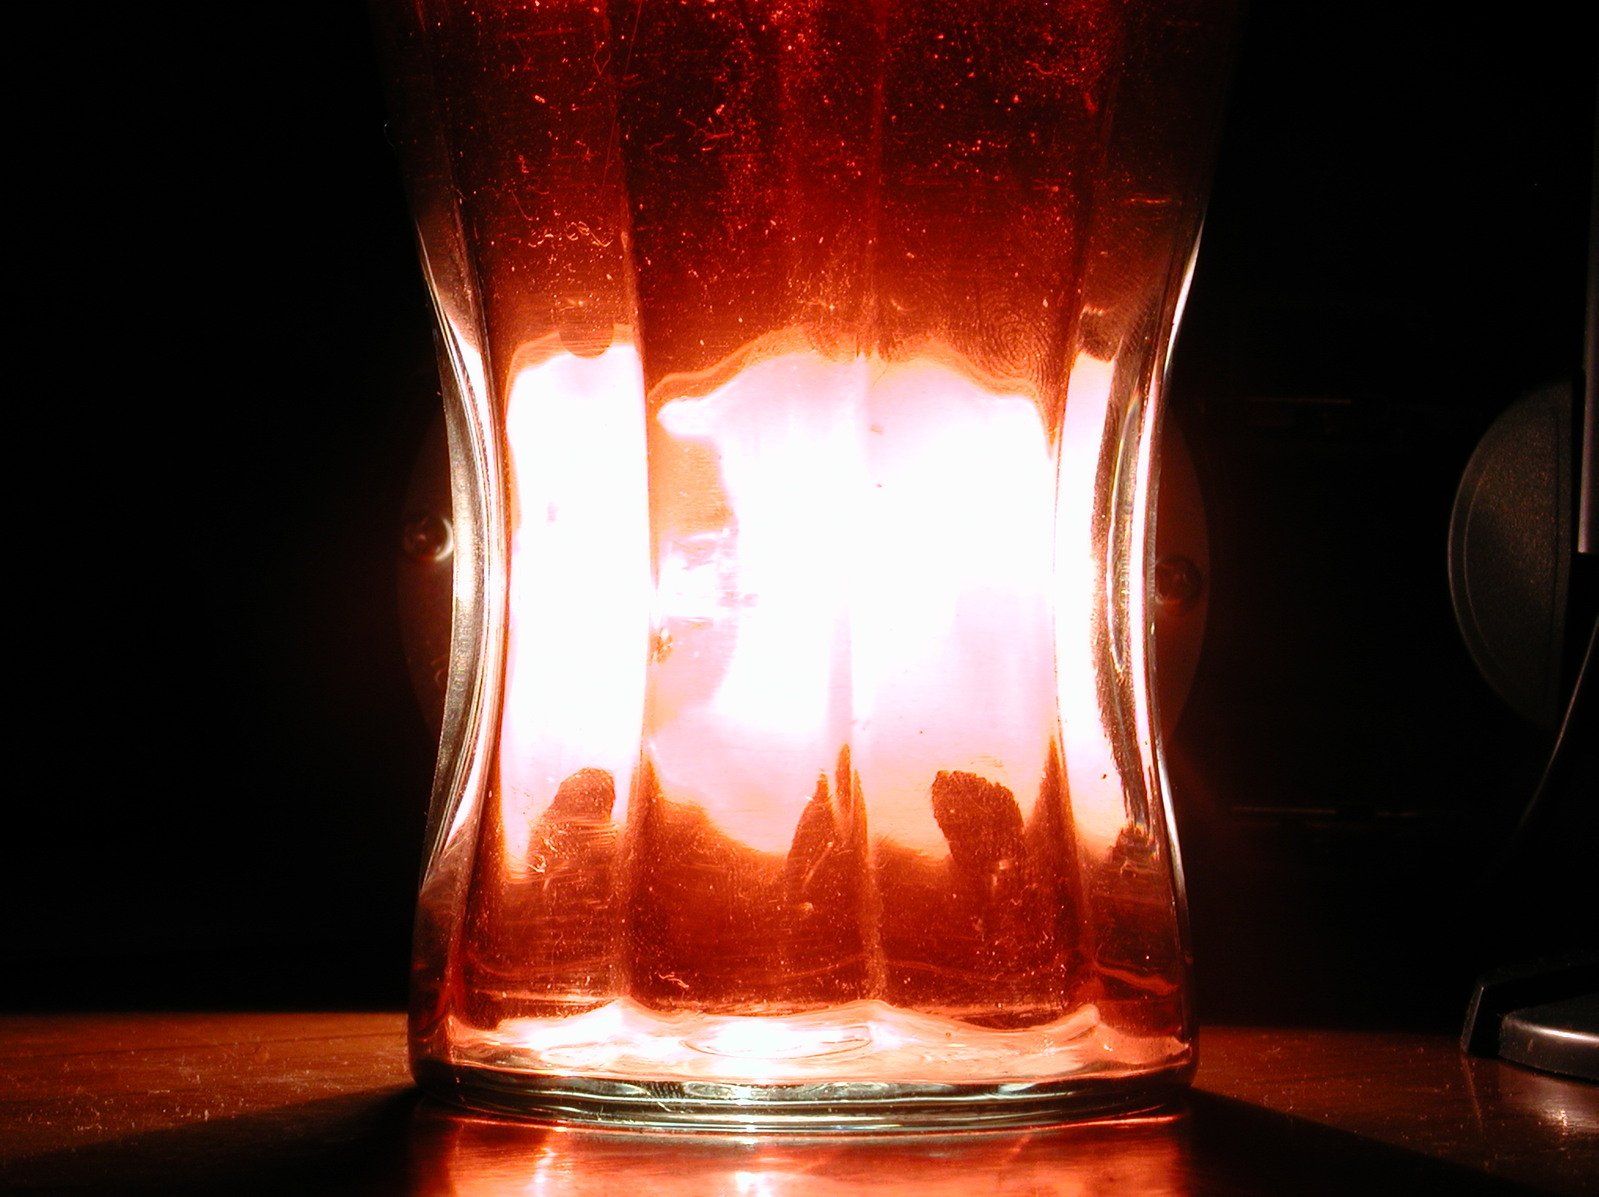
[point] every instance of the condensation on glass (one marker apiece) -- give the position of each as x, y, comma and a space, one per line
802, 364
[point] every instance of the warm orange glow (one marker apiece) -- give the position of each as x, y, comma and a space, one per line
473, 1156
867, 658
849, 587
863, 537
858, 1041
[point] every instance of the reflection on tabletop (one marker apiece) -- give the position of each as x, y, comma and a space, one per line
475, 1156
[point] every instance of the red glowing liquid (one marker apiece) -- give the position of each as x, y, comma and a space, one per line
818, 336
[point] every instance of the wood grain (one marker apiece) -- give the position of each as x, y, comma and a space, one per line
323, 1103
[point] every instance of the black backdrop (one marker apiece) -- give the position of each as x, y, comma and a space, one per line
221, 376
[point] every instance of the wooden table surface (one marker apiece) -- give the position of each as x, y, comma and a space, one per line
297, 1103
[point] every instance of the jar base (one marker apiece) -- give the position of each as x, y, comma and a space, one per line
828, 1108
821, 1072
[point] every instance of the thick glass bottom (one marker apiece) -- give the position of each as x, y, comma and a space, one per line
859, 1067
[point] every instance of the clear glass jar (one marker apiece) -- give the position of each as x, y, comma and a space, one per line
802, 366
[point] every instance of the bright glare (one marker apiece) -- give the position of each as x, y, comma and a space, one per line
1098, 804
874, 571
579, 586
866, 553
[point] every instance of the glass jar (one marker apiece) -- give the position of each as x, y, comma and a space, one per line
802, 366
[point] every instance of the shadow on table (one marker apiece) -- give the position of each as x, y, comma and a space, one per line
400, 1143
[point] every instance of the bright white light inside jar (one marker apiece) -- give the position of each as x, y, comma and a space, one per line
848, 553
579, 584
869, 564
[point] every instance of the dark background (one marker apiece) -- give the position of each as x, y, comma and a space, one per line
222, 376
